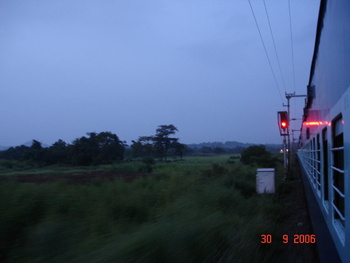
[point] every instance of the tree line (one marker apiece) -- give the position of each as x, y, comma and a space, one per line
99, 148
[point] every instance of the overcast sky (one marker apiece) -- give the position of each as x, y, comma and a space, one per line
68, 67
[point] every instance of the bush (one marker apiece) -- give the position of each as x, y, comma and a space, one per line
178, 215
258, 155
13, 165
147, 168
215, 171
148, 160
7, 164
232, 159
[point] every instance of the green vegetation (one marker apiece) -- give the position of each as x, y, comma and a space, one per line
258, 155
96, 149
201, 209
107, 148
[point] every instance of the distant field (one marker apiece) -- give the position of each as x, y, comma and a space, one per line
200, 209
188, 162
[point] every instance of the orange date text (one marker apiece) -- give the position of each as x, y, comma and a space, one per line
295, 239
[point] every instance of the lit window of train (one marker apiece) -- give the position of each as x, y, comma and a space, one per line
338, 174
325, 195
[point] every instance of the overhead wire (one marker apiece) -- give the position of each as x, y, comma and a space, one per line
291, 42
274, 45
267, 55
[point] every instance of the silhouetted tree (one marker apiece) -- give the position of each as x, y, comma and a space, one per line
36, 153
137, 149
110, 148
143, 147
179, 149
219, 150
163, 141
57, 153
206, 149
82, 151
104, 147
19, 153
147, 145
258, 154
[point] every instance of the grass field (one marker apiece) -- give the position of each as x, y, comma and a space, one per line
201, 209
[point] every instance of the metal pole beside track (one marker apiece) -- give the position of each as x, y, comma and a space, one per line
288, 97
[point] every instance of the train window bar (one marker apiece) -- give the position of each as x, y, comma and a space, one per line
318, 164
325, 168
337, 169
319, 184
337, 148
338, 212
338, 178
338, 191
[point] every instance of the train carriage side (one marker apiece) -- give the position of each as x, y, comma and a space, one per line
324, 151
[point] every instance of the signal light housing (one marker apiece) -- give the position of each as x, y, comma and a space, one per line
283, 122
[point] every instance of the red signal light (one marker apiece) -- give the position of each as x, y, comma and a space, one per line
283, 120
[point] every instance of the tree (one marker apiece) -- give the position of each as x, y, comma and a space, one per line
147, 145
179, 149
257, 154
104, 147
82, 151
219, 150
162, 140
143, 147
206, 149
36, 152
18, 153
137, 150
57, 153
110, 148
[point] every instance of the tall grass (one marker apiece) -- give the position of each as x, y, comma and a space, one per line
184, 213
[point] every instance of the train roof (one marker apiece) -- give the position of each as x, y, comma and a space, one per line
321, 14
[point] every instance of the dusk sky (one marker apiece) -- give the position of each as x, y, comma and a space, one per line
68, 67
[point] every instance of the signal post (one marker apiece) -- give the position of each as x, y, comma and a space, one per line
283, 121
283, 125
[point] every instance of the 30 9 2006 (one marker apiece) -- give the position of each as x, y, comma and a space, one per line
296, 239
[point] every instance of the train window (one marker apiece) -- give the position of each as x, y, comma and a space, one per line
338, 171
318, 164
325, 164
313, 161
310, 160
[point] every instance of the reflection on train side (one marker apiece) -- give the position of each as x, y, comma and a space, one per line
316, 123
319, 123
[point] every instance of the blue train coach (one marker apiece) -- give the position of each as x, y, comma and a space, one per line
324, 145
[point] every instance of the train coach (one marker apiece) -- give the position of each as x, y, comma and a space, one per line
324, 145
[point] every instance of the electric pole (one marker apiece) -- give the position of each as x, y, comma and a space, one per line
288, 97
